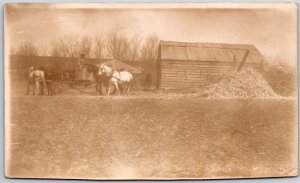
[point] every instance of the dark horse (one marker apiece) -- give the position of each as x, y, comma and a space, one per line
99, 79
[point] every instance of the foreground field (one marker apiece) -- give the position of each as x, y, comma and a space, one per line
119, 137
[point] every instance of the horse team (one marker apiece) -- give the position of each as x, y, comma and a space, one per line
104, 76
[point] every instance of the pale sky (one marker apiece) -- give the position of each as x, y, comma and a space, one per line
272, 30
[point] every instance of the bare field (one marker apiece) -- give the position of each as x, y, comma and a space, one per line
91, 137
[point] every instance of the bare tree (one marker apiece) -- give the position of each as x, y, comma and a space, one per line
113, 45
135, 44
149, 50
85, 46
72, 46
72, 42
44, 50
99, 46
27, 49
60, 48
122, 47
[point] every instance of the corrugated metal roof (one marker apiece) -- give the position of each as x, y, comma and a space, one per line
171, 50
117, 64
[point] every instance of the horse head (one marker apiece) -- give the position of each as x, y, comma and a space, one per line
89, 68
104, 69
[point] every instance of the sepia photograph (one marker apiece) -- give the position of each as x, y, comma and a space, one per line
150, 91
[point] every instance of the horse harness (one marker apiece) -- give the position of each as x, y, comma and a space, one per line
36, 77
116, 77
112, 75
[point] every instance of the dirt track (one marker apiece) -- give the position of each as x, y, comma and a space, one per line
152, 138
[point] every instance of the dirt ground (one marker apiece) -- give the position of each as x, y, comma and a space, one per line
120, 137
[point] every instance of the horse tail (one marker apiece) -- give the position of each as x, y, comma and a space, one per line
131, 76
31, 69
132, 82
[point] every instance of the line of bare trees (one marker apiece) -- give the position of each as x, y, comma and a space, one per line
100, 46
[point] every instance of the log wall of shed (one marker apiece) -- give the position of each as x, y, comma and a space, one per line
191, 74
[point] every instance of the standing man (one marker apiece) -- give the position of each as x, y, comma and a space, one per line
79, 68
148, 82
42, 88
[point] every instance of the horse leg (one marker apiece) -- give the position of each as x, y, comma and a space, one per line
116, 87
37, 84
42, 88
96, 87
33, 88
48, 88
100, 87
107, 86
108, 91
128, 89
28, 87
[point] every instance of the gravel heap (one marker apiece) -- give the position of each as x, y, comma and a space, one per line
246, 83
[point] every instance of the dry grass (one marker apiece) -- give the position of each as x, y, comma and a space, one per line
88, 137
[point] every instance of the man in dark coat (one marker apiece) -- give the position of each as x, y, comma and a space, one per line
148, 82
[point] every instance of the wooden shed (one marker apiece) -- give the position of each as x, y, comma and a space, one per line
117, 64
192, 65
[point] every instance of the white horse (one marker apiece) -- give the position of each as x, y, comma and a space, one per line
116, 78
35, 78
